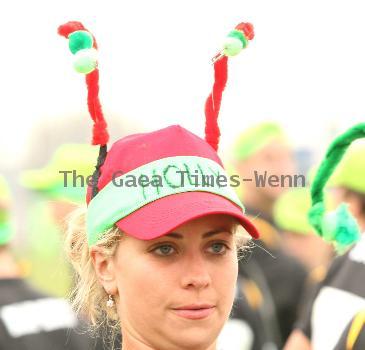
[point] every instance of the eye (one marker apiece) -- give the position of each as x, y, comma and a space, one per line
164, 250
218, 248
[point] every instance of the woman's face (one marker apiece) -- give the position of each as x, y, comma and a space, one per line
176, 292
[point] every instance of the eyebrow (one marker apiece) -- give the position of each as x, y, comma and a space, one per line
205, 235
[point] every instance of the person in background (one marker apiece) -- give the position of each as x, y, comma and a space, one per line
44, 141
298, 236
251, 325
341, 295
29, 319
258, 153
59, 187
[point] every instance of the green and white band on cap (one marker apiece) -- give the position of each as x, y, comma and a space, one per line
131, 191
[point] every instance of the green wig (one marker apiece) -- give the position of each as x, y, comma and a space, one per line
338, 227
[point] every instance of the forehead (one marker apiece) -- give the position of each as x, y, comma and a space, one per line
276, 145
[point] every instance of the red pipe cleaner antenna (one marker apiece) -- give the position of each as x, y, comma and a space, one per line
83, 45
236, 40
213, 102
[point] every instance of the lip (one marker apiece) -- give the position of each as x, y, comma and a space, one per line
195, 311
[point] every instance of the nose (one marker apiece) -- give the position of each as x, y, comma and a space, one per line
195, 272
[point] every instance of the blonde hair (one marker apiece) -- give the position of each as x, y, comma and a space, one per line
88, 296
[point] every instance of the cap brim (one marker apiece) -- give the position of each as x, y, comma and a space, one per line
164, 215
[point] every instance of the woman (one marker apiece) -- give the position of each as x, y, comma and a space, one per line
172, 292
156, 253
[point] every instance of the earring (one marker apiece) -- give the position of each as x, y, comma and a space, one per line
110, 301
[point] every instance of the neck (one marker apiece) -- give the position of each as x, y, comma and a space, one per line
131, 343
8, 266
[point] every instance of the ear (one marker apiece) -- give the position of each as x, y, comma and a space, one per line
105, 269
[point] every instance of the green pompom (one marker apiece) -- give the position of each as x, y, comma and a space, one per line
85, 61
232, 46
79, 40
240, 36
340, 227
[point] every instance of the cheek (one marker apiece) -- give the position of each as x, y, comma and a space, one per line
141, 284
224, 278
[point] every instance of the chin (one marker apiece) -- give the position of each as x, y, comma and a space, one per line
197, 340
275, 192
198, 337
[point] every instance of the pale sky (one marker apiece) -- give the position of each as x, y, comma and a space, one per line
305, 67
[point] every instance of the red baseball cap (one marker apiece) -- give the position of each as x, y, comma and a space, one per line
160, 213
182, 173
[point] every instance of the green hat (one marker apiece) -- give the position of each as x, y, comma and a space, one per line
50, 180
290, 211
255, 138
351, 171
5, 226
